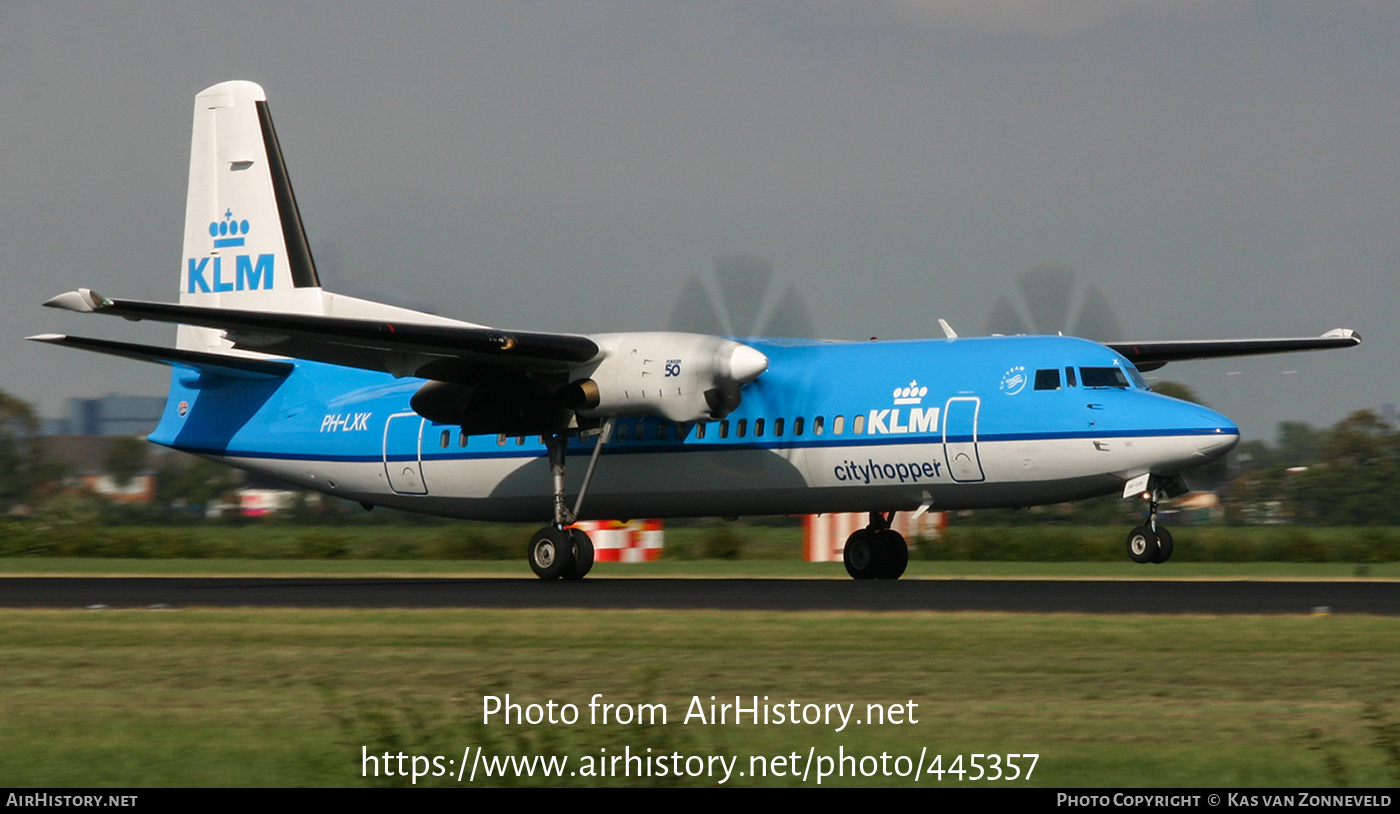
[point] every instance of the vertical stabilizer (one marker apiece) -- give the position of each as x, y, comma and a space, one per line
244, 242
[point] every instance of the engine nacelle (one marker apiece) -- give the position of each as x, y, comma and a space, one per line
509, 406
679, 376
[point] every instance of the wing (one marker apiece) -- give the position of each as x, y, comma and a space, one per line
1152, 355
445, 352
237, 367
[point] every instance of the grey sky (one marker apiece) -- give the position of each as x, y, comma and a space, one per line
1217, 168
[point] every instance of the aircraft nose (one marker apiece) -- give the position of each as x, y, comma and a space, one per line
1219, 437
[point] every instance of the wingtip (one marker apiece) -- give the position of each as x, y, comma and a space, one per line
84, 301
1343, 333
54, 339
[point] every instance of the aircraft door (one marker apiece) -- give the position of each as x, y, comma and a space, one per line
403, 453
960, 439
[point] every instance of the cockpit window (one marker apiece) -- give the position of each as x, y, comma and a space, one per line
1103, 377
1048, 379
1137, 378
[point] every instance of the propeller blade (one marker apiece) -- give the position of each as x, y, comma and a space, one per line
1096, 318
1004, 319
695, 312
1048, 291
744, 281
791, 318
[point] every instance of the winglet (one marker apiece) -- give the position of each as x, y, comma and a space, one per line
84, 301
947, 329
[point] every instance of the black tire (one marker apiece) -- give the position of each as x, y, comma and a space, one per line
862, 555
551, 553
1142, 545
895, 554
1164, 545
583, 555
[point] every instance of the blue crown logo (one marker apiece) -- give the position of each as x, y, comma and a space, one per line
228, 232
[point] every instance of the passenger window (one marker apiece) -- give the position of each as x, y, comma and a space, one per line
462, 438
838, 424
858, 425
797, 425
758, 428
520, 440
778, 427
1048, 379
743, 427
446, 438
1069, 377
501, 440
637, 430
724, 428
700, 431
661, 431
817, 425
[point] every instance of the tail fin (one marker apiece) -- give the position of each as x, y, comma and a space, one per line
244, 242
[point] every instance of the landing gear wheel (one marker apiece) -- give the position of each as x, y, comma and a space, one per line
1164, 545
583, 555
894, 552
551, 553
1143, 545
863, 554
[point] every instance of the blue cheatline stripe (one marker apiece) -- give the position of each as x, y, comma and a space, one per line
536, 450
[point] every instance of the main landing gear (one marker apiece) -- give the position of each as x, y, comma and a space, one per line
557, 551
560, 553
876, 551
1150, 542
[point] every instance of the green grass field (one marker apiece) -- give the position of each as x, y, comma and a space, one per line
290, 697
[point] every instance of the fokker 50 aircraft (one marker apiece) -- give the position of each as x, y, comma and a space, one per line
393, 407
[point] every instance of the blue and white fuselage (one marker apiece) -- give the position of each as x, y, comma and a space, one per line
948, 423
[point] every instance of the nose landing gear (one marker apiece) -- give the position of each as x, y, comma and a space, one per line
1150, 542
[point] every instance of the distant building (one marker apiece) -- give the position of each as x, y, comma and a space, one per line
140, 489
260, 502
109, 415
83, 460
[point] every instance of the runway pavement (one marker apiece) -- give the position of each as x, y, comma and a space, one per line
1015, 595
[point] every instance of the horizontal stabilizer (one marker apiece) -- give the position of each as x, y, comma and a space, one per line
237, 367
1152, 355
435, 351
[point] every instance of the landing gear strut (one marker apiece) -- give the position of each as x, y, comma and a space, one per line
1150, 542
876, 551
557, 550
